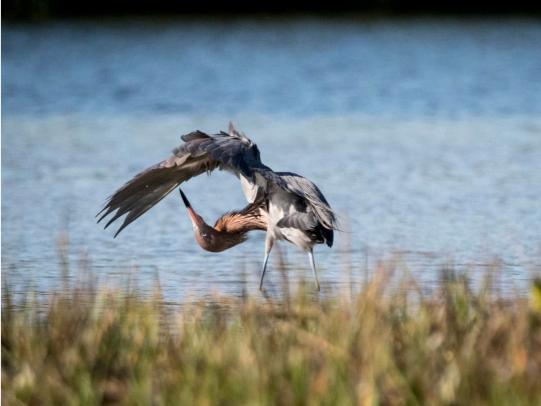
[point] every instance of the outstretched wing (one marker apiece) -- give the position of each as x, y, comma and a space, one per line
198, 154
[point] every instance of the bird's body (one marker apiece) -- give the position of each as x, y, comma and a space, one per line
285, 205
294, 218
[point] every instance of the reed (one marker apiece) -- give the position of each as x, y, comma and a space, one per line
377, 345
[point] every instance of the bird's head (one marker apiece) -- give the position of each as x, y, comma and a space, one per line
208, 237
197, 220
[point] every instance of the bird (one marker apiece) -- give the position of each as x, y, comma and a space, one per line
285, 205
230, 229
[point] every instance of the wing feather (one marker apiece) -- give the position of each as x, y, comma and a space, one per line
309, 192
300, 221
198, 154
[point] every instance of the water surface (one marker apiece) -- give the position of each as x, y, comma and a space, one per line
423, 134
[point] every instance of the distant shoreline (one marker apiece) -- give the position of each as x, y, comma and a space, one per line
58, 9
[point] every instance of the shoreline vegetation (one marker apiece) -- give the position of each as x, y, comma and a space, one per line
39, 10
384, 344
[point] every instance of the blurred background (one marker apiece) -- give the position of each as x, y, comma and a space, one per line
43, 9
421, 123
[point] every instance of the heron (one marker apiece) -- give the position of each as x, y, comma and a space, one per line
285, 205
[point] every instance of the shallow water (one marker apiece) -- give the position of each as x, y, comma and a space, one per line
425, 136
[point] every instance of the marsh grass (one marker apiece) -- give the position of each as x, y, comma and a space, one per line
376, 345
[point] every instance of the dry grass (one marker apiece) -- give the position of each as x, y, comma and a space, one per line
381, 346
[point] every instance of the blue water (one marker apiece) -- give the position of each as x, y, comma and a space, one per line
424, 134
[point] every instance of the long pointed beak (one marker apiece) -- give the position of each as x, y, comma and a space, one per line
184, 198
196, 219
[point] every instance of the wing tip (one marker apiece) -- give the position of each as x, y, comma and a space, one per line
194, 135
231, 128
103, 216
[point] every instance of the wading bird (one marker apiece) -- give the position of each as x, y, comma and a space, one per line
285, 205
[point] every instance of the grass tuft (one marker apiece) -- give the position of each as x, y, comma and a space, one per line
380, 345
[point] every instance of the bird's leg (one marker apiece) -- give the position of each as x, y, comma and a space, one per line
313, 265
269, 242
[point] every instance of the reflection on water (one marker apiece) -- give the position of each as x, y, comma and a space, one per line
424, 135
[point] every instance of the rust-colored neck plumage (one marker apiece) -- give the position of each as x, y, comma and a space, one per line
252, 217
231, 228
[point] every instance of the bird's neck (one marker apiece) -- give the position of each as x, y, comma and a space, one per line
213, 240
252, 217
231, 228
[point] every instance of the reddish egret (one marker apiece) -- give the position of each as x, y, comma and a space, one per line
288, 206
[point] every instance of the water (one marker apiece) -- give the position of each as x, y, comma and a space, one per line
425, 136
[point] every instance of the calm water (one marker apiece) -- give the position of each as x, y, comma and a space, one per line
425, 136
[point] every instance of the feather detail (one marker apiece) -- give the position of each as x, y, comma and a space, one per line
252, 217
198, 154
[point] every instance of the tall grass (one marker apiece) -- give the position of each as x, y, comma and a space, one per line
380, 345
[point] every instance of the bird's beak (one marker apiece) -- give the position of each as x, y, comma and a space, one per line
196, 219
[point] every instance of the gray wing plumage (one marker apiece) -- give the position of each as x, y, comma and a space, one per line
300, 221
198, 154
311, 194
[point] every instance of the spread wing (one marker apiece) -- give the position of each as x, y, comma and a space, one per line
198, 154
